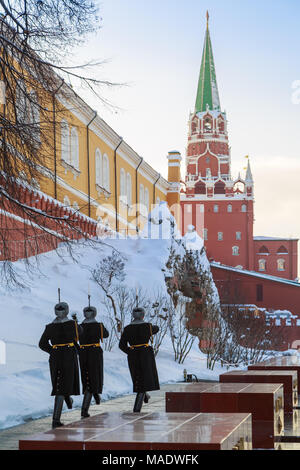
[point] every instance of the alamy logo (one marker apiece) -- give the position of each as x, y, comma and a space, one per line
2, 352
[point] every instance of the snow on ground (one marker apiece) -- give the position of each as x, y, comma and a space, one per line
25, 380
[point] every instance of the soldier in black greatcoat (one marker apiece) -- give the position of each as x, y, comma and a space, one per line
91, 358
60, 340
135, 343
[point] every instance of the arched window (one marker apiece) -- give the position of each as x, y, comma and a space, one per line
229, 208
147, 200
220, 236
65, 141
282, 250
208, 124
123, 195
220, 188
221, 124
262, 265
244, 208
195, 126
280, 265
98, 163
263, 250
21, 102
238, 235
106, 182
200, 188
142, 199
216, 208
129, 189
34, 115
235, 251
74, 148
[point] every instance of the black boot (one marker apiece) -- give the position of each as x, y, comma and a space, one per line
97, 398
58, 404
146, 397
69, 401
138, 402
86, 404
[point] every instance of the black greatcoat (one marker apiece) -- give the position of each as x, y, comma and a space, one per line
91, 357
63, 361
141, 361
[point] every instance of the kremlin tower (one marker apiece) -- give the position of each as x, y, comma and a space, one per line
218, 206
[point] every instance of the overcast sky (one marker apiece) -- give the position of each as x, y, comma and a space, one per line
156, 48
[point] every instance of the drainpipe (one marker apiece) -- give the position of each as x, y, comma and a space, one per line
54, 137
154, 189
116, 183
88, 161
136, 194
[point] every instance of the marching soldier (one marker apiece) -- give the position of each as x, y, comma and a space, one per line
135, 343
91, 358
62, 334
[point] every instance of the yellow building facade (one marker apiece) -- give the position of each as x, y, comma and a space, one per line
90, 168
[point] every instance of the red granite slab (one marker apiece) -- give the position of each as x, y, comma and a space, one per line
287, 378
264, 401
178, 431
280, 363
152, 431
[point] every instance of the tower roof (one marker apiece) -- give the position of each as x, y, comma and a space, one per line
249, 177
207, 94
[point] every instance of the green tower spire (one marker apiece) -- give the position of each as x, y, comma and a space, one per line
207, 93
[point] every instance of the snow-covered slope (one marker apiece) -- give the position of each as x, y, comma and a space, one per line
24, 380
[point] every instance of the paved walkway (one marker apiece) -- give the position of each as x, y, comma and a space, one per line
9, 438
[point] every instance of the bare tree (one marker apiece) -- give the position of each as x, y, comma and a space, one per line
160, 316
109, 274
188, 276
182, 340
36, 40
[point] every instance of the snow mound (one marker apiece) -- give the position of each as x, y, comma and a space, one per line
161, 224
192, 240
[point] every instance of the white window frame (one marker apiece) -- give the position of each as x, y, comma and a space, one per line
281, 262
235, 251
74, 148
262, 265
123, 195
142, 199
105, 172
147, 200
65, 141
98, 165
129, 189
